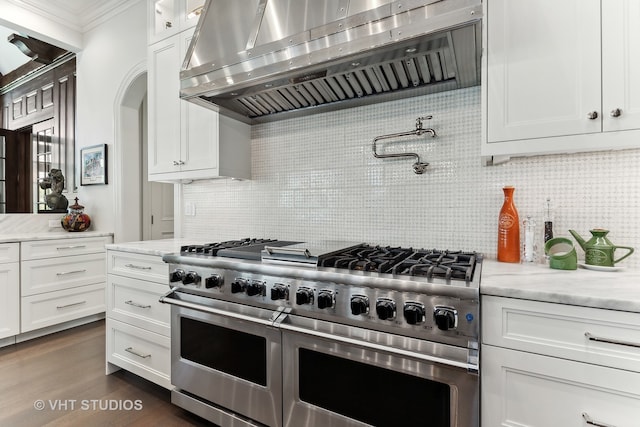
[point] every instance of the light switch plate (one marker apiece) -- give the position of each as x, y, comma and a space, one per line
190, 209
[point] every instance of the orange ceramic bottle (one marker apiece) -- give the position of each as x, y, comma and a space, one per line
508, 229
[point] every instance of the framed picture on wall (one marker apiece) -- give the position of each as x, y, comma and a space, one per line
93, 165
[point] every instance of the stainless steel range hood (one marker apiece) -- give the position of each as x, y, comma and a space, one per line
263, 60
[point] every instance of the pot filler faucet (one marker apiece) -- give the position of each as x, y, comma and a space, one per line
418, 167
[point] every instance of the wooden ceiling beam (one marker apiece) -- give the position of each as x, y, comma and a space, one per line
38, 51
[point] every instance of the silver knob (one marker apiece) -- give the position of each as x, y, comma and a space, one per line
616, 112
592, 115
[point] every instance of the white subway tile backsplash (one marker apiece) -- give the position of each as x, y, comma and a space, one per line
316, 178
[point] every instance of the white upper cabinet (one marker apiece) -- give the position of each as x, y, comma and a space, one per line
560, 76
169, 17
187, 141
621, 65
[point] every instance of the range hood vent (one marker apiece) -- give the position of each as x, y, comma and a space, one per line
264, 60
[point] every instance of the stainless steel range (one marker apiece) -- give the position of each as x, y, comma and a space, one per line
279, 333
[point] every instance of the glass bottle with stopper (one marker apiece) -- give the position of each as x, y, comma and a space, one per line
548, 221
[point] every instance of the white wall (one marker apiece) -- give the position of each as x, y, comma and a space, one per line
316, 178
112, 50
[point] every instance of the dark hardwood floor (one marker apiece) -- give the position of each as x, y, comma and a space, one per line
59, 380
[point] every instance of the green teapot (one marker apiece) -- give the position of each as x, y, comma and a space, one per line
599, 250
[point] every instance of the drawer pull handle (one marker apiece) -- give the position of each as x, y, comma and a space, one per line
135, 304
66, 273
60, 307
132, 351
591, 337
591, 422
137, 267
71, 247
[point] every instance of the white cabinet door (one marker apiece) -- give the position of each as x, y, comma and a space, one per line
199, 133
543, 69
621, 65
525, 389
9, 299
164, 106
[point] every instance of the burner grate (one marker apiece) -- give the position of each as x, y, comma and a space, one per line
211, 249
449, 265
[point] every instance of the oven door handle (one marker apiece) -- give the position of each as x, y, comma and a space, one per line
378, 347
166, 299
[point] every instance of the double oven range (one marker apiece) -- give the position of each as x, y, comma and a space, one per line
277, 333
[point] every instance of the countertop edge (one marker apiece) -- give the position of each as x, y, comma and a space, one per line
55, 235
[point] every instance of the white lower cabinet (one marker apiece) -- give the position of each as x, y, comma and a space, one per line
138, 325
61, 280
51, 308
542, 367
9, 290
525, 389
137, 350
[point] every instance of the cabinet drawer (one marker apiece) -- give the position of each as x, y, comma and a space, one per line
52, 308
603, 337
53, 274
9, 252
142, 352
138, 266
524, 389
62, 247
136, 302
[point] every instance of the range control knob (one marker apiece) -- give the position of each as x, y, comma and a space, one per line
326, 298
359, 305
304, 296
386, 309
414, 312
213, 281
279, 291
238, 285
445, 317
256, 288
176, 275
191, 278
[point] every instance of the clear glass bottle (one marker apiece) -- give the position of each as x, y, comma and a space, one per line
508, 229
530, 247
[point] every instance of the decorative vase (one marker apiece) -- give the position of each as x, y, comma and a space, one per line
76, 219
508, 229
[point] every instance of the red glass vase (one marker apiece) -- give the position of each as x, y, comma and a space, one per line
508, 229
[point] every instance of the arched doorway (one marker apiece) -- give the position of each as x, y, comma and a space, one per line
143, 210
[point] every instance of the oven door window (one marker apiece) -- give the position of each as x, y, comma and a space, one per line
371, 394
226, 350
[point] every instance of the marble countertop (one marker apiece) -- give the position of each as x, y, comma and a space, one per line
619, 290
615, 290
152, 247
51, 235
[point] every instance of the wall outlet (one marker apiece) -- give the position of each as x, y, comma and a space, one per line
54, 223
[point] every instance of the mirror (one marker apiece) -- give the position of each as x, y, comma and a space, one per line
38, 125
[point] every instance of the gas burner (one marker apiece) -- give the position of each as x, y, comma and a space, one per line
211, 249
367, 258
434, 263
446, 264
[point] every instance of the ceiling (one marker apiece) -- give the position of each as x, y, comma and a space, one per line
79, 15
